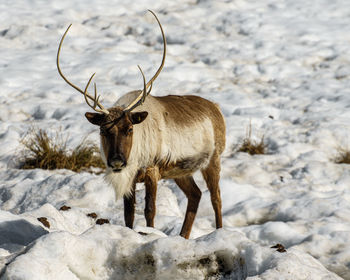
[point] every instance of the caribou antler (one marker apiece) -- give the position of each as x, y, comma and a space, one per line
143, 94
149, 84
94, 99
139, 99
86, 95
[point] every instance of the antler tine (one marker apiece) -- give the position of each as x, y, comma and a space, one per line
149, 84
142, 96
148, 92
86, 95
95, 98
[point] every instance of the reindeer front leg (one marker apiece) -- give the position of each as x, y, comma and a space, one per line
129, 207
151, 180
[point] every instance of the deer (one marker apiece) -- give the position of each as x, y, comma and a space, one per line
145, 138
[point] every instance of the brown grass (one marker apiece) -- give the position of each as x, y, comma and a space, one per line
44, 152
252, 147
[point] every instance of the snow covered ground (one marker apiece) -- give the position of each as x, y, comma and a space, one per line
283, 66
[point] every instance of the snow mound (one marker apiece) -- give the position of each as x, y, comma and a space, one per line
115, 252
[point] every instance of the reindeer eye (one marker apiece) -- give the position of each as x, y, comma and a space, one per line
130, 130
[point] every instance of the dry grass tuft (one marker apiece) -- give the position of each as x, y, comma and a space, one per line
252, 147
44, 152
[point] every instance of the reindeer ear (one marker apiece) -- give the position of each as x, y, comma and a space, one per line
94, 118
138, 117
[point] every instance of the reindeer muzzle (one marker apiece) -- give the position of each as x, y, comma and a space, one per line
117, 163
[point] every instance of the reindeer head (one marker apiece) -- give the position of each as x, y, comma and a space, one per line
116, 131
116, 123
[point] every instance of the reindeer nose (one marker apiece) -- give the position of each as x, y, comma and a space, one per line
116, 163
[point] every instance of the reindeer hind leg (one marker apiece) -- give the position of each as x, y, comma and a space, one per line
193, 194
211, 175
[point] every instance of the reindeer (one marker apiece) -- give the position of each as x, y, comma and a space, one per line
146, 138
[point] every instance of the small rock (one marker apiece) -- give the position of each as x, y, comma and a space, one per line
102, 221
280, 248
44, 221
92, 215
64, 208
